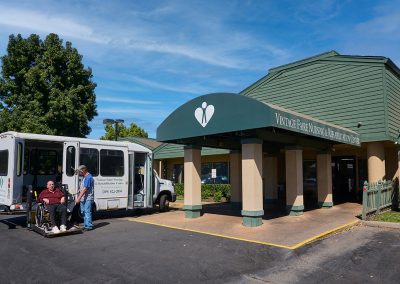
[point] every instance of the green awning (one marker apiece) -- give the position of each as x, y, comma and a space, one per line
226, 113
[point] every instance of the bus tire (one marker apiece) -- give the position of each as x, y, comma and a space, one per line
164, 203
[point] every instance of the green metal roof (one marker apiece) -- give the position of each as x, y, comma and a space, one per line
170, 150
342, 89
230, 114
146, 142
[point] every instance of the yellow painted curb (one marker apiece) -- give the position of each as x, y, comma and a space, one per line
251, 241
324, 234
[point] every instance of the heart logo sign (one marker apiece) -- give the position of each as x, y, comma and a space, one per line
204, 113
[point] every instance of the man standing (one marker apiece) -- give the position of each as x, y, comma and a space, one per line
54, 201
85, 197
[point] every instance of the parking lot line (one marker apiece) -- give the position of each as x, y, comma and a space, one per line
309, 240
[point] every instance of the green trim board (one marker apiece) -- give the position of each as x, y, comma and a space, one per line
227, 112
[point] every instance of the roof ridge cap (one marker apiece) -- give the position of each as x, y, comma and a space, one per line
304, 61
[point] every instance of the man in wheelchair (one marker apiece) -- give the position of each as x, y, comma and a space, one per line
54, 200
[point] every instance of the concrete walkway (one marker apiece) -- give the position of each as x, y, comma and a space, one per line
277, 230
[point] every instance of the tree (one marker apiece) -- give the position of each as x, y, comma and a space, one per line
44, 88
133, 130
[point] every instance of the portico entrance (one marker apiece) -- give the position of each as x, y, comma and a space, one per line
256, 133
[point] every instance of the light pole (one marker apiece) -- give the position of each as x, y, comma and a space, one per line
114, 121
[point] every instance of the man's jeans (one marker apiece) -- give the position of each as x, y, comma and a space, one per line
57, 208
86, 210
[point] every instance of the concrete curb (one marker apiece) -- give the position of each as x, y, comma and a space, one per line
379, 224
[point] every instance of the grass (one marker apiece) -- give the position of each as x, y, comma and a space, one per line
389, 216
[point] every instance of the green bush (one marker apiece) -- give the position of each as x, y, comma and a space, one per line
208, 191
179, 189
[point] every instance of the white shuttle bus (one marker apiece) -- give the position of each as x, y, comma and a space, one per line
122, 171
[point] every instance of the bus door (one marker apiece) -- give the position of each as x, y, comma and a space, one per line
131, 169
19, 193
149, 180
7, 162
70, 164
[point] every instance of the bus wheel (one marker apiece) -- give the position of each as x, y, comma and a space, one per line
164, 203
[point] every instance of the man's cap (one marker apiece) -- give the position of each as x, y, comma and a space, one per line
82, 168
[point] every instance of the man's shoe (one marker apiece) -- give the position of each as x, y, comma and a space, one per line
87, 229
63, 228
55, 230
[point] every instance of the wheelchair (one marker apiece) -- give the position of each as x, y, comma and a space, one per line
42, 217
42, 223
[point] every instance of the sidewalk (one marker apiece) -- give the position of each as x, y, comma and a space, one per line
277, 229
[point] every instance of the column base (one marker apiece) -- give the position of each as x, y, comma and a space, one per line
192, 211
295, 210
252, 218
325, 204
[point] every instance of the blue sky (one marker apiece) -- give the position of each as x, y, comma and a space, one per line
150, 57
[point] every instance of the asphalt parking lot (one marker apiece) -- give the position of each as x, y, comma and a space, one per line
120, 251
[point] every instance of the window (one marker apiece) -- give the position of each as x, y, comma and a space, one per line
90, 158
310, 177
26, 161
222, 171
43, 162
3, 162
111, 163
177, 175
70, 161
19, 159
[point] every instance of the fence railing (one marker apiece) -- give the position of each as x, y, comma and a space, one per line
377, 196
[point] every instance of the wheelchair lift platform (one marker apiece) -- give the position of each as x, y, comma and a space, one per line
38, 219
44, 231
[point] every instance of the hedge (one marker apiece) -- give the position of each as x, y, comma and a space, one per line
209, 191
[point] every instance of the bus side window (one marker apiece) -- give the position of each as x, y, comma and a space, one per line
26, 161
19, 158
90, 158
3, 162
111, 163
70, 161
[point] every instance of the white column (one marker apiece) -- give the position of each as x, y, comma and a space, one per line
252, 188
192, 185
294, 181
324, 180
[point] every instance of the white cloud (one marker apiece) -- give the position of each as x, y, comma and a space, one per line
42, 22
388, 24
140, 34
192, 89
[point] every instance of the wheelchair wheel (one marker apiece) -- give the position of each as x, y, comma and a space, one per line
39, 215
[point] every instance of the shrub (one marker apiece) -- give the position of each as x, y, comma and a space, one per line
179, 189
209, 191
